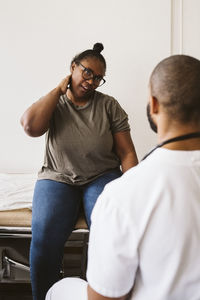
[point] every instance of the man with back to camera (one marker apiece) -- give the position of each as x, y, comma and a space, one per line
145, 234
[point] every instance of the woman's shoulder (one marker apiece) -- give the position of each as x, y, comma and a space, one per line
109, 102
104, 98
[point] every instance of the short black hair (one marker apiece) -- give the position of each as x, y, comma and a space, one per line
95, 52
175, 83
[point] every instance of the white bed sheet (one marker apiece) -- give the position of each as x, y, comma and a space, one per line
16, 190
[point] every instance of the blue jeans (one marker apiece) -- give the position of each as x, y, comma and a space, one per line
54, 214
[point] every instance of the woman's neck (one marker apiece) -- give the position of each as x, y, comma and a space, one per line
79, 102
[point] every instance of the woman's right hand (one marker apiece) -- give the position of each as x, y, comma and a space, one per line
63, 85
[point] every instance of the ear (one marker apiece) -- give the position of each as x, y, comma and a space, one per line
72, 67
154, 105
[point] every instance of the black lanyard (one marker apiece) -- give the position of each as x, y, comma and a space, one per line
175, 139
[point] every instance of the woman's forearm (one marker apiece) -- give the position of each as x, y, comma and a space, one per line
35, 120
125, 150
128, 161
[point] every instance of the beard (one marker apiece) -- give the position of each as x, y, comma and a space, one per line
151, 121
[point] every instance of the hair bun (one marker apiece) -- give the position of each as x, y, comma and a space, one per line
98, 47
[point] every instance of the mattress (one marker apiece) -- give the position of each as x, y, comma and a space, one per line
16, 218
22, 218
16, 193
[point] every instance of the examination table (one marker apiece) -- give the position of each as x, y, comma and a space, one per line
15, 234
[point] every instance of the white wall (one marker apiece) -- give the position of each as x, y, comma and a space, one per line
191, 27
40, 37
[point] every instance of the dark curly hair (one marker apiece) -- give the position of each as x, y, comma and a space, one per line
95, 52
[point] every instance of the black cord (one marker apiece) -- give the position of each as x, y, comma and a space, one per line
175, 139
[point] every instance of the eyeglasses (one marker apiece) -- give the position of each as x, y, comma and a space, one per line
88, 74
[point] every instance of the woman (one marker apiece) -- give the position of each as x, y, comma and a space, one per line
87, 139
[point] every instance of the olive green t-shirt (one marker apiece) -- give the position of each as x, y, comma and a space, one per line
79, 142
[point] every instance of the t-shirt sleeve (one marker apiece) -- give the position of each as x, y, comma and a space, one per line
112, 253
118, 117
